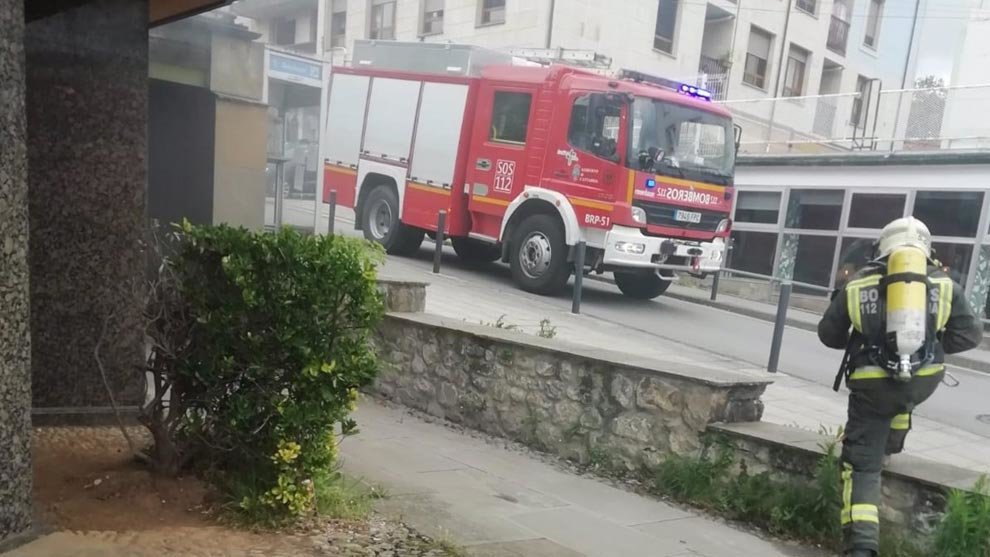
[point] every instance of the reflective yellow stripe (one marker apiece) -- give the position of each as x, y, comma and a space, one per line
901, 421
869, 372
864, 513
928, 371
944, 301
852, 298
847, 491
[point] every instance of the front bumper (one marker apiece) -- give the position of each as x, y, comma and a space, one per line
629, 247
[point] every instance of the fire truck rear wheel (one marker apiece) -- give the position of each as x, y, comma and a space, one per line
475, 251
539, 255
381, 224
641, 285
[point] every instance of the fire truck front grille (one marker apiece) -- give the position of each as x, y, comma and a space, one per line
658, 214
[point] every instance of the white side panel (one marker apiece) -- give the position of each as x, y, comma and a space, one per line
441, 116
348, 96
390, 118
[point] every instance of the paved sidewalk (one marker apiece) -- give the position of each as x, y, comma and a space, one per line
789, 400
499, 502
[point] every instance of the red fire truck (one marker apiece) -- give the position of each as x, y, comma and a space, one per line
530, 161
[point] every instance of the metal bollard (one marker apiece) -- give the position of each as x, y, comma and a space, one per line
438, 248
715, 280
578, 277
333, 211
778, 326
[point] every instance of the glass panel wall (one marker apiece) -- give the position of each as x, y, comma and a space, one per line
815, 209
759, 207
949, 213
854, 254
875, 210
753, 252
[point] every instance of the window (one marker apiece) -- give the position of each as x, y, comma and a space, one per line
284, 31
432, 17
955, 259
873, 23
809, 6
815, 209
492, 12
382, 19
510, 117
757, 58
338, 24
761, 207
594, 126
838, 29
813, 259
853, 256
858, 116
797, 66
875, 210
753, 252
949, 213
663, 38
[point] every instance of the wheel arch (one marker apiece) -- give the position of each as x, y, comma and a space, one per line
535, 201
371, 175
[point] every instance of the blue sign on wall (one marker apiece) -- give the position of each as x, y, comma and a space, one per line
296, 67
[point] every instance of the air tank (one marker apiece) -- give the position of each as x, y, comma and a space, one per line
907, 306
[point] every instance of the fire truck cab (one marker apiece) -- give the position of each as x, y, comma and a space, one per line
531, 161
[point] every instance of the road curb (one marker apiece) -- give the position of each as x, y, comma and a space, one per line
960, 361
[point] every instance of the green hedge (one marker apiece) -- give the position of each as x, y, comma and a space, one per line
274, 348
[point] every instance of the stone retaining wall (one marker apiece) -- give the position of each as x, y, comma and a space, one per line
914, 489
580, 403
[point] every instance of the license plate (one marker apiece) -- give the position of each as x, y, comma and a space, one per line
687, 216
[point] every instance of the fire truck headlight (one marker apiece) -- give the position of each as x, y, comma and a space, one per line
639, 215
629, 247
723, 225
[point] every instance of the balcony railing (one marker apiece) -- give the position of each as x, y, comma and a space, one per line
713, 77
838, 35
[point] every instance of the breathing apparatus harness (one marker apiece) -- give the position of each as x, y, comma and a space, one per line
879, 345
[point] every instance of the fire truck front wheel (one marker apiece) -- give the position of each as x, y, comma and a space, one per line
380, 220
539, 255
641, 285
474, 251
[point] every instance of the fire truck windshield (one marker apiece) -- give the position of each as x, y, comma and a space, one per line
680, 141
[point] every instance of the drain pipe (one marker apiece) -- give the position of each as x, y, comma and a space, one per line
780, 72
553, 4
904, 77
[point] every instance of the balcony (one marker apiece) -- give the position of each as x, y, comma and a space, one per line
714, 77
266, 9
838, 35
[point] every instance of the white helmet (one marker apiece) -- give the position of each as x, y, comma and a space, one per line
907, 231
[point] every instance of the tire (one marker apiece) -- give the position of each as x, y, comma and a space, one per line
381, 224
538, 256
475, 251
641, 285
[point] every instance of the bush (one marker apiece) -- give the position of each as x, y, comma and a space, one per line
262, 342
807, 511
965, 528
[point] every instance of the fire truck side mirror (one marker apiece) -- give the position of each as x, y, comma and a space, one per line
738, 132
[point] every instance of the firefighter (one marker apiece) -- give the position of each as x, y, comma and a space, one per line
885, 375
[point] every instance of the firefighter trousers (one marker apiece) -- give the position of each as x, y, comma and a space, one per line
878, 422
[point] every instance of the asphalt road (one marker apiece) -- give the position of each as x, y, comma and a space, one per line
715, 330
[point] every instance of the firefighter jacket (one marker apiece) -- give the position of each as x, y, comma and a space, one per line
860, 306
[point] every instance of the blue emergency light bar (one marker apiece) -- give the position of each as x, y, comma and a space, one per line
670, 84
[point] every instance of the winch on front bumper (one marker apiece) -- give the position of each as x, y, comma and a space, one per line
629, 247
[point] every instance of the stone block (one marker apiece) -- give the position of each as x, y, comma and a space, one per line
623, 391
637, 426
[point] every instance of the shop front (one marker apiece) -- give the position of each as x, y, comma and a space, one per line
814, 220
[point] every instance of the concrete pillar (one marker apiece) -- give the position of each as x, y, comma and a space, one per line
15, 346
87, 96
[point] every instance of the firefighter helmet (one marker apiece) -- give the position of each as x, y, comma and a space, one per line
907, 231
